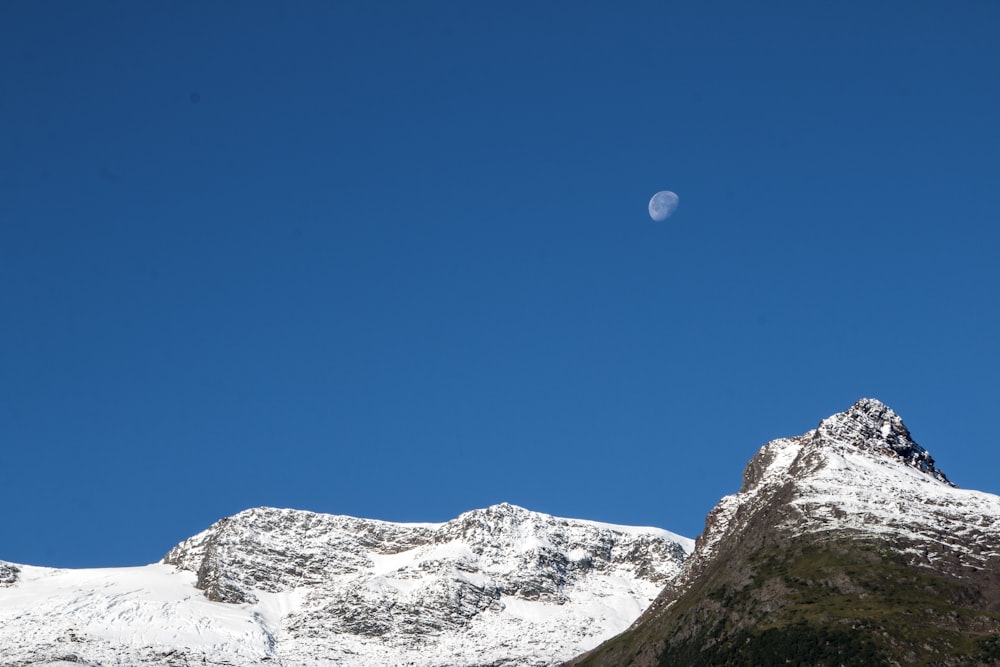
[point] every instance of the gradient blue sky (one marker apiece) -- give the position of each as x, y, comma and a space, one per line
393, 260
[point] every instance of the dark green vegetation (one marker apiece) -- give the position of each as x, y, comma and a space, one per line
799, 644
816, 602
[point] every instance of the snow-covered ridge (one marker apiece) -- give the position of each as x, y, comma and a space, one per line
497, 586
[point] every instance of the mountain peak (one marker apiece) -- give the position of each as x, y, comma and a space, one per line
872, 426
845, 545
867, 419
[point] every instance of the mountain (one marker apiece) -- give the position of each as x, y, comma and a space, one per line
844, 546
497, 586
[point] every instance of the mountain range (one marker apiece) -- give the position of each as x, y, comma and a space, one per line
497, 586
846, 545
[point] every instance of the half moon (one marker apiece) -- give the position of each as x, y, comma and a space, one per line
662, 205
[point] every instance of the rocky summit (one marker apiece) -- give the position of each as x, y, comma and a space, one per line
497, 586
845, 546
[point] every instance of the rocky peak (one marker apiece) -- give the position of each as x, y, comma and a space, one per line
870, 425
502, 525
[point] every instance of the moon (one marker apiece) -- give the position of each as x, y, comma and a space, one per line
662, 205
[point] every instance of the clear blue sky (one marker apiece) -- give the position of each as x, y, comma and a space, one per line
393, 260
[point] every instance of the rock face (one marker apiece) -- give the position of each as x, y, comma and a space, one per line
845, 546
872, 426
8, 574
498, 586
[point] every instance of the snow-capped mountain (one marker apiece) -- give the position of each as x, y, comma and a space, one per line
498, 586
845, 545
860, 473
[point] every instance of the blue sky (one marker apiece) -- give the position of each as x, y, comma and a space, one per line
393, 260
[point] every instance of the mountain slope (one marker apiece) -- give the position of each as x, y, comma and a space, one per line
499, 586
844, 546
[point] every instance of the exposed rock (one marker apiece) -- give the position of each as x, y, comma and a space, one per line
8, 574
872, 426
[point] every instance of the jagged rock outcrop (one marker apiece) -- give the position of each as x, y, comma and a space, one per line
271, 550
844, 546
870, 425
8, 574
497, 586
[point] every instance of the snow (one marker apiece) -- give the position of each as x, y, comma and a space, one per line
686, 542
154, 607
856, 491
484, 587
